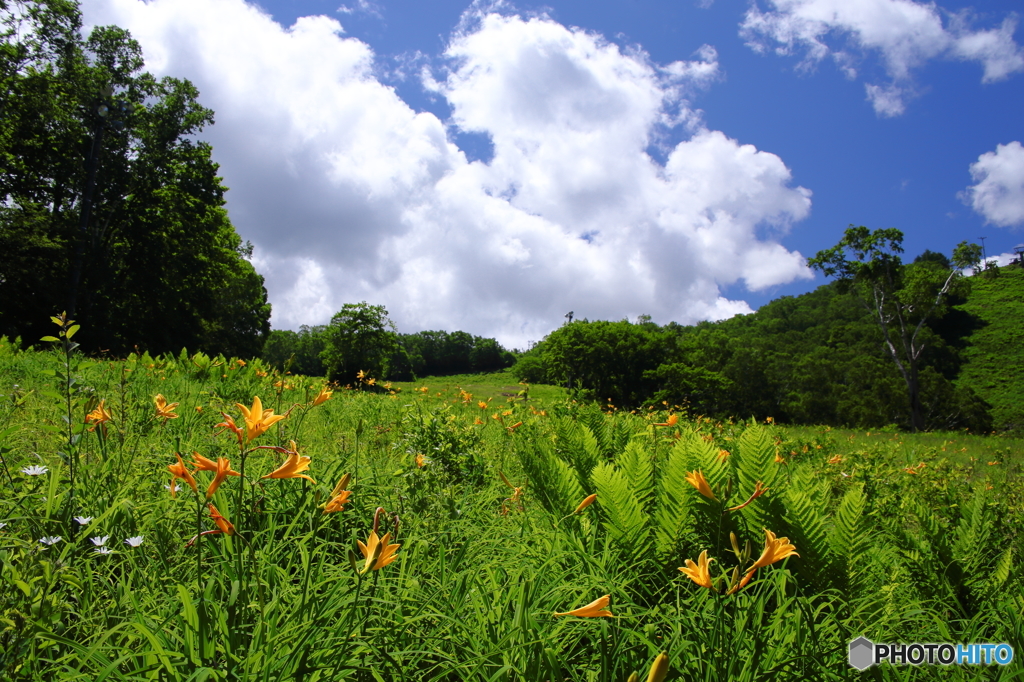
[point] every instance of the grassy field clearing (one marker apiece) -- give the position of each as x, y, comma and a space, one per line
434, 534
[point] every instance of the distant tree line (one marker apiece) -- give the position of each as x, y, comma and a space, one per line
360, 337
109, 207
819, 358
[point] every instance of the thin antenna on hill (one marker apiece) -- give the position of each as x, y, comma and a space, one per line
984, 258
568, 316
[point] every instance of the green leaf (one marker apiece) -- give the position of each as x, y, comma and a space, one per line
627, 521
49, 338
74, 328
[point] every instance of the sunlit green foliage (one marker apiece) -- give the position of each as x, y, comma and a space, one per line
819, 358
360, 338
900, 537
902, 298
994, 351
109, 207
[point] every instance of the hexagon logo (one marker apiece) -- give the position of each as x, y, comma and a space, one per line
862, 653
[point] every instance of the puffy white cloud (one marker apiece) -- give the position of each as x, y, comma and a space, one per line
905, 33
999, 190
349, 194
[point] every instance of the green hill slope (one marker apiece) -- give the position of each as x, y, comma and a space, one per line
994, 355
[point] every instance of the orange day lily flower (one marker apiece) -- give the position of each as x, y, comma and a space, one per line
759, 490
99, 416
775, 549
257, 419
230, 425
337, 503
697, 480
163, 410
221, 469
595, 609
179, 470
672, 420
699, 572
587, 501
292, 467
322, 397
338, 498
377, 551
223, 524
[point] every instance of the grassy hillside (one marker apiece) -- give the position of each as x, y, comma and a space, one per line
994, 356
493, 386
253, 555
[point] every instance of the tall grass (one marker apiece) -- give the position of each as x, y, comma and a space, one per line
481, 500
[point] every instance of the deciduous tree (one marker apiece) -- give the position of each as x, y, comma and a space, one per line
107, 203
360, 337
902, 298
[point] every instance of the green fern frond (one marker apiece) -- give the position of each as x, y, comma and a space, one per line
755, 462
755, 458
849, 540
672, 512
973, 552
1004, 566
704, 456
638, 466
551, 480
707, 522
575, 443
601, 428
626, 521
973, 534
805, 520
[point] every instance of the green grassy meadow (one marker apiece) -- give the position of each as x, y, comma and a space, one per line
897, 537
994, 353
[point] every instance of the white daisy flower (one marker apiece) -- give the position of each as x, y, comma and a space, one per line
34, 470
133, 541
2, 525
100, 541
102, 550
83, 520
50, 539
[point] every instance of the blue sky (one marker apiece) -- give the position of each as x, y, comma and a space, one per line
489, 167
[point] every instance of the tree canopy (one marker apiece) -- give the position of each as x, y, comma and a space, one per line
819, 358
900, 297
109, 205
360, 338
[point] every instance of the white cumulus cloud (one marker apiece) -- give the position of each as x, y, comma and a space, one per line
999, 190
906, 34
350, 194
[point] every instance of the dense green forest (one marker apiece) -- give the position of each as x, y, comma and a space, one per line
818, 358
109, 207
383, 352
